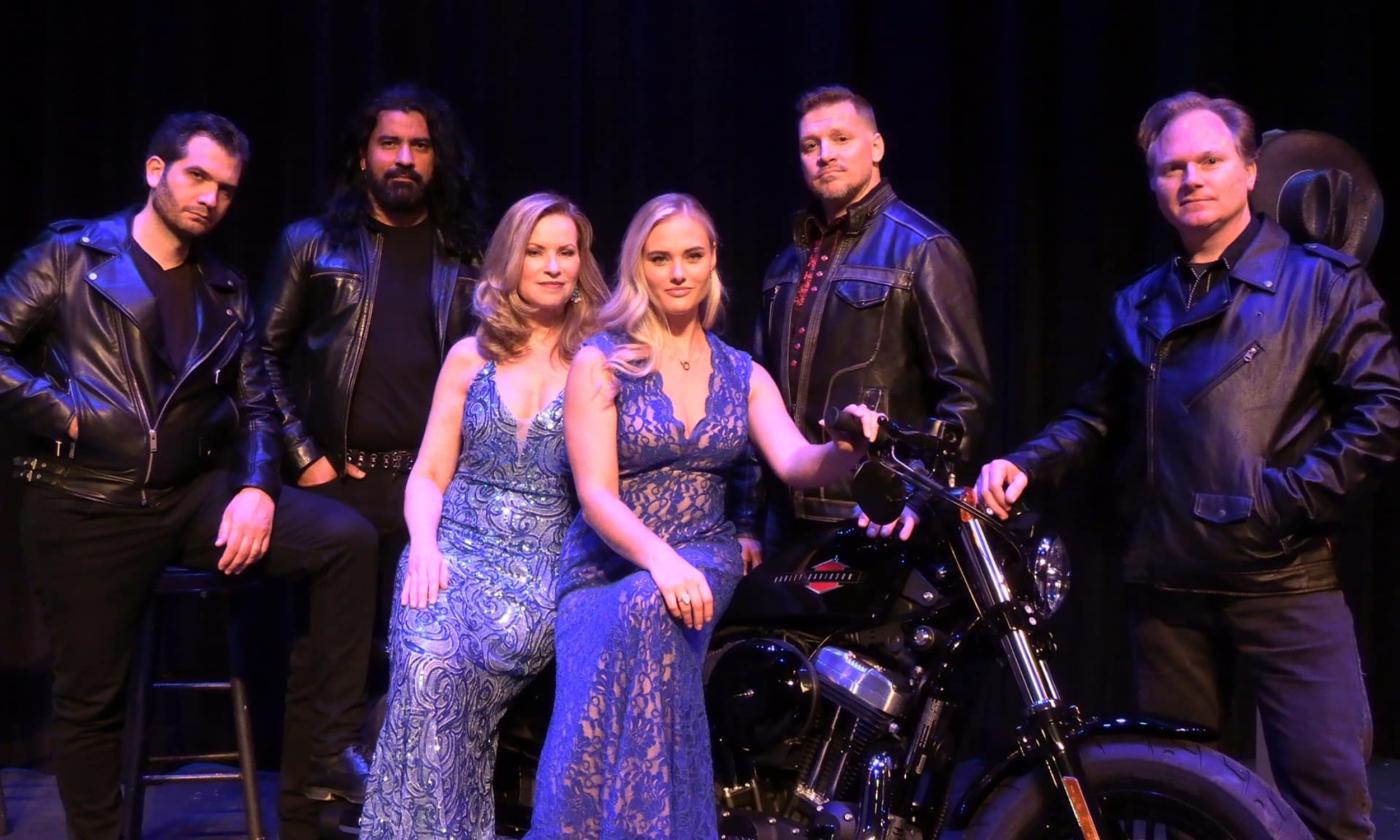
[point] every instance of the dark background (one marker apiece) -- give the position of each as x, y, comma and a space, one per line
1011, 125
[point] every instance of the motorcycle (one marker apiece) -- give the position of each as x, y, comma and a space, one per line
834, 710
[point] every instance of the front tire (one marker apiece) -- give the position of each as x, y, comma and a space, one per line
1149, 789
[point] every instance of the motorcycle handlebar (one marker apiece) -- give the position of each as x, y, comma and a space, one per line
941, 440
879, 485
840, 420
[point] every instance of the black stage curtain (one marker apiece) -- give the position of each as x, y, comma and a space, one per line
1011, 123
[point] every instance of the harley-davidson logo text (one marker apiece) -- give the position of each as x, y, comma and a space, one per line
823, 577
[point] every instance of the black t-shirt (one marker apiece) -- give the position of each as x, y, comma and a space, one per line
174, 291
1197, 279
394, 386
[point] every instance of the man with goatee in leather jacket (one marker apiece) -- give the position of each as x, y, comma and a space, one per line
872, 303
362, 304
1256, 386
161, 447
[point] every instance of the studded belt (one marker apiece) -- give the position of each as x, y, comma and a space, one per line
395, 460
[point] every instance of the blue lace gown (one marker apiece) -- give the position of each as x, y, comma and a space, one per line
628, 750
457, 664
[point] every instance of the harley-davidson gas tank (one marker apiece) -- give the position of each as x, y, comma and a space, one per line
841, 579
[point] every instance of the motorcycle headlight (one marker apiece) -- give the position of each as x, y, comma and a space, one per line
1050, 572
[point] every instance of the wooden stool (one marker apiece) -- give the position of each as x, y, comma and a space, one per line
176, 580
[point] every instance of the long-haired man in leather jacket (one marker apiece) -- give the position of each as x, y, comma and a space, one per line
1255, 383
161, 446
362, 304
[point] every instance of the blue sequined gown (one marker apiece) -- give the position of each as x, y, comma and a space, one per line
628, 750
457, 664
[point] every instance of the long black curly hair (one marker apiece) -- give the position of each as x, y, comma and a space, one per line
453, 203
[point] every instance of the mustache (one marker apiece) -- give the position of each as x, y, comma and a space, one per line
403, 172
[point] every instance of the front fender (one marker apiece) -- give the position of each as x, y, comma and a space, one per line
1017, 762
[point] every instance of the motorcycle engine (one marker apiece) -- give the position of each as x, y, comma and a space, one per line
864, 702
818, 715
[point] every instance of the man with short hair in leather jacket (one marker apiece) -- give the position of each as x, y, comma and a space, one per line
162, 447
1256, 384
362, 303
873, 303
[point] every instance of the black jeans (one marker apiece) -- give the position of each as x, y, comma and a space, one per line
1299, 652
96, 565
378, 497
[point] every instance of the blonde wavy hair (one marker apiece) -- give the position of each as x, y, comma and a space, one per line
504, 316
630, 309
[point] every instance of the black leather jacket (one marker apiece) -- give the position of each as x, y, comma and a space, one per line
894, 325
1249, 420
320, 299
144, 426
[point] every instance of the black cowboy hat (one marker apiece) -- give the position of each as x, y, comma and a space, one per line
1319, 189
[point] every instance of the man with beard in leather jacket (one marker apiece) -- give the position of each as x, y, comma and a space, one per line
162, 447
1256, 385
361, 305
872, 303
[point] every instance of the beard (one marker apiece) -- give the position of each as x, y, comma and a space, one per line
167, 208
399, 190
839, 192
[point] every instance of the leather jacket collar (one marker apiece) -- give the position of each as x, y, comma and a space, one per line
811, 223
118, 280
112, 235
1259, 266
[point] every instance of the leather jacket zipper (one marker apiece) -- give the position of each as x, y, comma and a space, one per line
152, 446
72, 391
1154, 370
1240, 361
152, 439
145, 416
185, 374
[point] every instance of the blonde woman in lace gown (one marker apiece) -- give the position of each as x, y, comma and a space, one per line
656, 410
487, 505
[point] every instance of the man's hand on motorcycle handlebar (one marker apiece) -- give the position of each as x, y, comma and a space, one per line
904, 525
999, 485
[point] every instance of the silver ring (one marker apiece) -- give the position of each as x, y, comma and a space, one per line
685, 599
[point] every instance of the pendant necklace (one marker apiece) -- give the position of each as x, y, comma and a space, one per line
684, 363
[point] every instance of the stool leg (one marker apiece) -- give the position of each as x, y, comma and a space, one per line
137, 714
4, 813
242, 722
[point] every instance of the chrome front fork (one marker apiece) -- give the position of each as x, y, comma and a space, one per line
1047, 719
991, 592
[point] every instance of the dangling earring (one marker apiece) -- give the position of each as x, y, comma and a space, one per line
575, 297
